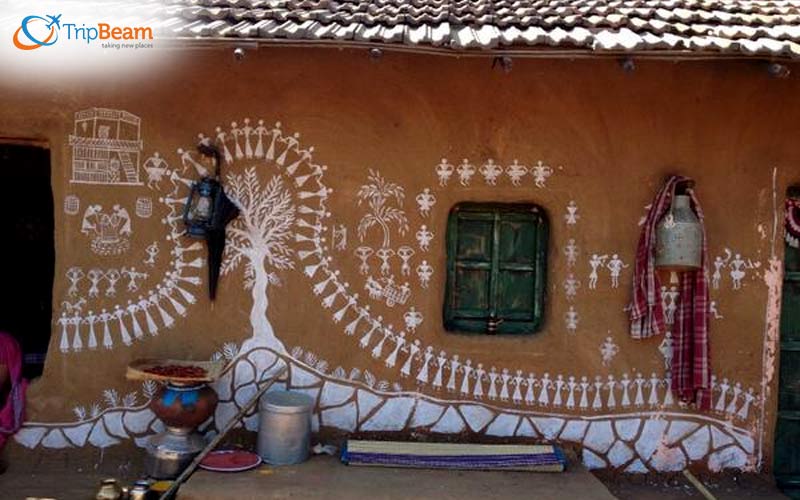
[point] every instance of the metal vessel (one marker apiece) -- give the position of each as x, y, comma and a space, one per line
679, 237
284, 428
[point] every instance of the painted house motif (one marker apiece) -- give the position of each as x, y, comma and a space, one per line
106, 145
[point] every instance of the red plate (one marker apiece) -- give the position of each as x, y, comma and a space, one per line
230, 461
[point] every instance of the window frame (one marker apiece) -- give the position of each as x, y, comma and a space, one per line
468, 320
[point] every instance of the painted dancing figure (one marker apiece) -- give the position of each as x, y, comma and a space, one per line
95, 276
105, 317
571, 385
444, 171
571, 286
504, 377
74, 275
595, 261
559, 388
572, 252
625, 383
405, 253
737, 271
424, 272
597, 403
571, 320
260, 132
145, 305
540, 173
465, 172
480, 376
466, 369
413, 319
530, 383
737, 392
639, 400
424, 238
399, 342
425, 201
235, 133
723, 394
367, 337
584, 388
413, 349
377, 351
221, 141
132, 308
491, 171
119, 315
276, 135
493, 375
615, 265
516, 172
454, 369
653, 383
544, 394
246, 131
440, 363
572, 215
90, 320
611, 402
384, 254
64, 322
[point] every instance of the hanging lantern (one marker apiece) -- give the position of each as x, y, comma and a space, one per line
679, 237
208, 210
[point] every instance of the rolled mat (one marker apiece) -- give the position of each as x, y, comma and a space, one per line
531, 458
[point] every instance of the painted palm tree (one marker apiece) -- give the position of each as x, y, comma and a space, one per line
379, 194
259, 236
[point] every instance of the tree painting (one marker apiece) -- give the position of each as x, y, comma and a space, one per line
379, 195
259, 237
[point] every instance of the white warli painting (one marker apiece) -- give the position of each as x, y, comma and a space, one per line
72, 204
626, 421
144, 207
734, 266
109, 232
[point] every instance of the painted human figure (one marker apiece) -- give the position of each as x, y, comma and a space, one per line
152, 253
544, 394
723, 394
625, 383
504, 378
424, 272
465, 172
571, 385
611, 384
247, 129
399, 342
668, 401
516, 172
413, 319
666, 350
639, 382
444, 171
74, 276
384, 254
608, 350
405, 253
572, 252
292, 143
119, 315
64, 323
377, 351
597, 402
350, 329
425, 201
615, 265
595, 261
155, 301
585, 387
260, 131
187, 161
493, 375
275, 134
91, 339
77, 341
363, 254
95, 276
530, 383
737, 392
424, 238
413, 350
373, 288
105, 317
672, 305
144, 306
305, 156
737, 271
441, 359
571, 286
466, 369
572, 215
749, 397
480, 376
112, 277
339, 237
367, 337
571, 319
132, 309
491, 171
719, 264
712, 310
235, 133
653, 383
455, 365
222, 137
559, 387
518, 380
352, 301
540, 173
167, 292
156, 168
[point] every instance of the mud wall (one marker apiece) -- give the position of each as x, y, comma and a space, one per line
304, 134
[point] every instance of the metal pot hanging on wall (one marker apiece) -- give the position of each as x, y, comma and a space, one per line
679, 237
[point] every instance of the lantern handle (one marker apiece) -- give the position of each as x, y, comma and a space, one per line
206, 148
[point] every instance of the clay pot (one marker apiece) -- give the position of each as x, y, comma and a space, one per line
184, 405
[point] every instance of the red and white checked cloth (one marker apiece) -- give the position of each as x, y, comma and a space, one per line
690, 345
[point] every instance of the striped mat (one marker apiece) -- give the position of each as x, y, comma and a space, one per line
508, 457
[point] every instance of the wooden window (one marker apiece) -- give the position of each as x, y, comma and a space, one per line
496, 268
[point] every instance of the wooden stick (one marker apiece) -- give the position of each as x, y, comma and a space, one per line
697, 484
218, 438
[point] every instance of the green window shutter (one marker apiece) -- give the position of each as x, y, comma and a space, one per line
496, 267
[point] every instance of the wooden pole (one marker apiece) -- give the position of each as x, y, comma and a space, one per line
697, 484
218, 438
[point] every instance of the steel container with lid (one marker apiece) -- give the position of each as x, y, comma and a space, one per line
284, 427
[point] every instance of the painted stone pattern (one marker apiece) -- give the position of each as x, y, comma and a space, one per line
379, 296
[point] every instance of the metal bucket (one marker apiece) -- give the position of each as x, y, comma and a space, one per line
284, 428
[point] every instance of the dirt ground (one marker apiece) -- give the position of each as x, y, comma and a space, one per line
677, 487
76, 474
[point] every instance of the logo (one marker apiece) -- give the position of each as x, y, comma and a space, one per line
35, 32
51, 23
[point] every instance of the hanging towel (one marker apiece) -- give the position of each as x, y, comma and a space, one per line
690, 360
12, 411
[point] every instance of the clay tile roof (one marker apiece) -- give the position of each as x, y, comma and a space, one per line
763, 28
